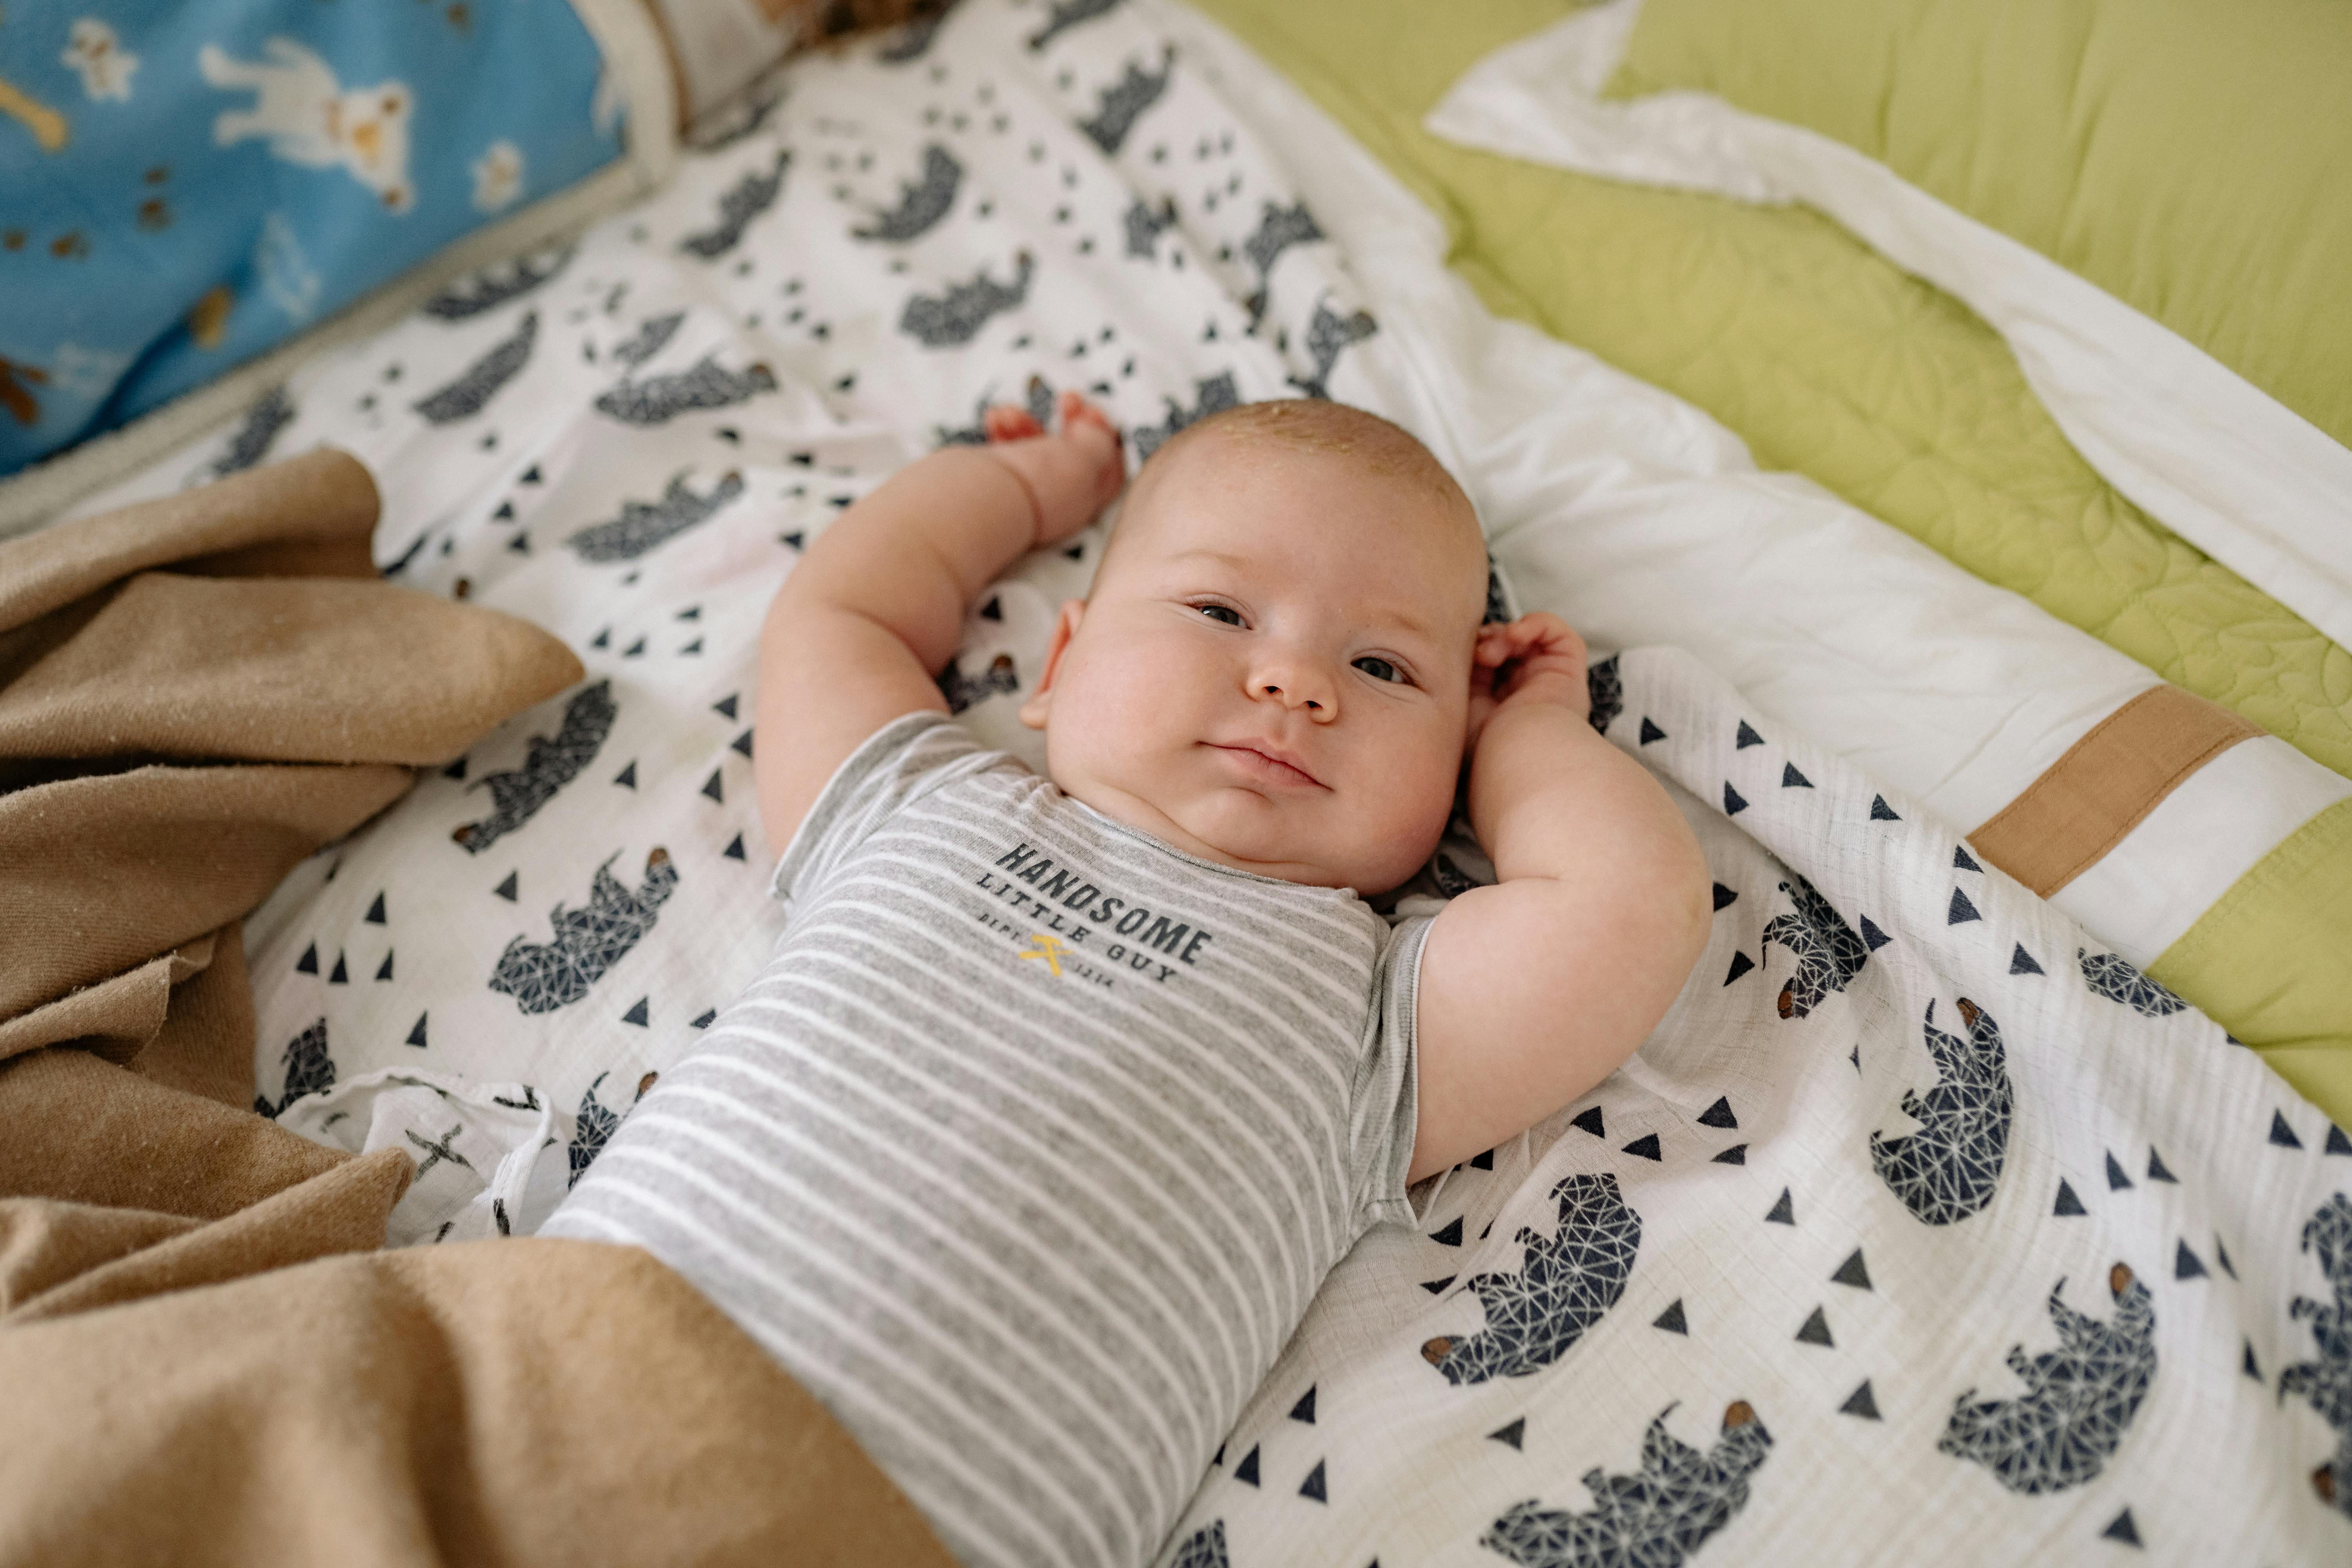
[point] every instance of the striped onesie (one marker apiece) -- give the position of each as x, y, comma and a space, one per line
1029, 1147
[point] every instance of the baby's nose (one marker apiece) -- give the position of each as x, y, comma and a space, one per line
1298, 689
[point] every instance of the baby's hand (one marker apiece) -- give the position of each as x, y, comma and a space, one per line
1070, 477
1536, 659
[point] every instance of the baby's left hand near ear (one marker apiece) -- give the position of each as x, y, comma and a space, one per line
1070, 475
1537, 658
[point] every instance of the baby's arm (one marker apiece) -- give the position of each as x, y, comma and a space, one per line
1535, 989
863, 626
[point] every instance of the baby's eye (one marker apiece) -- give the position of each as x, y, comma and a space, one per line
1379, 669
1225, 613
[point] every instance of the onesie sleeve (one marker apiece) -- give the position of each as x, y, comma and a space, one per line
1385, 1108
900, 763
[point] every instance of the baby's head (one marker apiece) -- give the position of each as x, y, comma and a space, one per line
1272, 670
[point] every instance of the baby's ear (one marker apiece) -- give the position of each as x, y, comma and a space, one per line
1040, 696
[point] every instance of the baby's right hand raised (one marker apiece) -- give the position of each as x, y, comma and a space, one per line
1070, 475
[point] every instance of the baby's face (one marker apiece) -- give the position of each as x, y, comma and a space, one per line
1273, 669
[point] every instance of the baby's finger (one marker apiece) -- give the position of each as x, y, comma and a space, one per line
1005, 422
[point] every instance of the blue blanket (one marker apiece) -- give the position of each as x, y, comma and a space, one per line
184, 183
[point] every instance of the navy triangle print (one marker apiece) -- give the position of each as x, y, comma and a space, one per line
1791, 779
1450, 1235
2280, 1134
1746, 737
1962, 912
2187, 1265
1589, 1122
1740, 964
2337, 1143
1718, 1114
1872, 937
1651, 732
1304, 1409
1732, 805
1670, 1319
1312, 1486
2021, 962
1880, 811
1514, 1434
2117, 1180
1724, 896
1860, 1403
1960, 860
1246, 1471
1735, 1155
2068, 1203
2156, 1170
2122, 1529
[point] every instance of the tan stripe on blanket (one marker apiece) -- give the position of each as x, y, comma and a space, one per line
2085, 803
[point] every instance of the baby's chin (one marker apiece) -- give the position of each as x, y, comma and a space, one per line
1246, 831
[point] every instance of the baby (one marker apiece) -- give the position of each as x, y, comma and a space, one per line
1061, 1094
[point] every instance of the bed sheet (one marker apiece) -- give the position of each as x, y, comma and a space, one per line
646, 426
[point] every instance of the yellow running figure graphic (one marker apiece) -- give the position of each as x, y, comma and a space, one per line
1049, 948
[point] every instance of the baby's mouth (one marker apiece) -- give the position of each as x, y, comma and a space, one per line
1267, 764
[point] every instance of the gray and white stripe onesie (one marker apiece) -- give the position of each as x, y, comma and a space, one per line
1028, 1149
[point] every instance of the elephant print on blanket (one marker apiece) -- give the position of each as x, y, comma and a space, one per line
1278, 228
1065, 14
1828, 951
547, 765
1124, 102
1204, 1548
2325, 1380
922, 201
543, 976
1328, 335
642, 525
1213, 396
2113, 976
752, 194
1949, 1168
658, 399
465, 397
2079, 1399
1567, 1282
1654, 1518
309, 1069
592, 1129
945, 320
